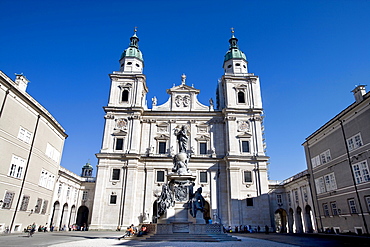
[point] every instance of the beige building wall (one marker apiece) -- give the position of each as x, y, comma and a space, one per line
31, 145
338, 160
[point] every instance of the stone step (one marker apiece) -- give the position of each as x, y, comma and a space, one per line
185, 237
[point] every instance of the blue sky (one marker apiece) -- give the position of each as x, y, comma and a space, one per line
309, 55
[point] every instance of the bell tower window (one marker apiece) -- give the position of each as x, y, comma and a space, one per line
125, 95
241, 97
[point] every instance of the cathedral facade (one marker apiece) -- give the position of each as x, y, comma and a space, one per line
224, 144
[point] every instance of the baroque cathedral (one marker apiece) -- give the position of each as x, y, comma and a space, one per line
224, 147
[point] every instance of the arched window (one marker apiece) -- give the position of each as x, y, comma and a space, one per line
241, 98
125, 95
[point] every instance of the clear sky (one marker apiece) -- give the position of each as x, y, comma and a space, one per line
309, 55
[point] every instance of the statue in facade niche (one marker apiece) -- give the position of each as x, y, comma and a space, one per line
196, 202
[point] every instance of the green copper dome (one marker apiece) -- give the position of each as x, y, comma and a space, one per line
133, 49
234, 51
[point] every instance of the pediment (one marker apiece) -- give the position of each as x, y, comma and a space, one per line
119, 133
162, 137
244, 135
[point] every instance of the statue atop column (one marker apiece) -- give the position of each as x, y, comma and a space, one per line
182, 139
180, 160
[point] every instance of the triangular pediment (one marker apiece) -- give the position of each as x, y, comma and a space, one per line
162, 137
119, 133
182, 88
244, 135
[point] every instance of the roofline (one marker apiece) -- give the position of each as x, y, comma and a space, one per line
32, 102
338, 116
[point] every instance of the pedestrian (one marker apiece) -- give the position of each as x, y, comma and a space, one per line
266, 229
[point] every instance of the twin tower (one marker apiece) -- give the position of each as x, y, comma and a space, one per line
224, 150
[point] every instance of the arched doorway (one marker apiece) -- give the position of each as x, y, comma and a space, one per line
281, 220
291, 220
308, 219
298, 219
64, 218
82, 217
72, 216
55, 215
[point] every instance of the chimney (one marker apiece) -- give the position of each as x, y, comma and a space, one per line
21, 81
359, 93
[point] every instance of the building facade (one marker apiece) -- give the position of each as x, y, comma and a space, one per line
31, 144
73, 199
338, 157
292, 206
225, 145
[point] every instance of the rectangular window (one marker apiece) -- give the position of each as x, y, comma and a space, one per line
119, 144
161, 147
320, 185
44, 207
203, 177
367, 199
296, 195
84, 195
250, 202
326, 209
160, 176
315, 161
247, 177
279, 199
113, 199
330, 183
116, 174
7, 204
16, 166
245, 146
68, 191
47, 179
354, 142
24, 204
52, 152
352, 206
305, 196
325, 157
203, 148
361, 172
24, 135
289, 198
38, 206
334, 208
60, 189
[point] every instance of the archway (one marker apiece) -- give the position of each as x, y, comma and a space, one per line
308, 219
281, 220
72, 216
82, 218
55, 215
298, 219
64, 218
291, 220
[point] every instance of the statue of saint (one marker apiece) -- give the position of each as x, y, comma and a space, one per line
182, 139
